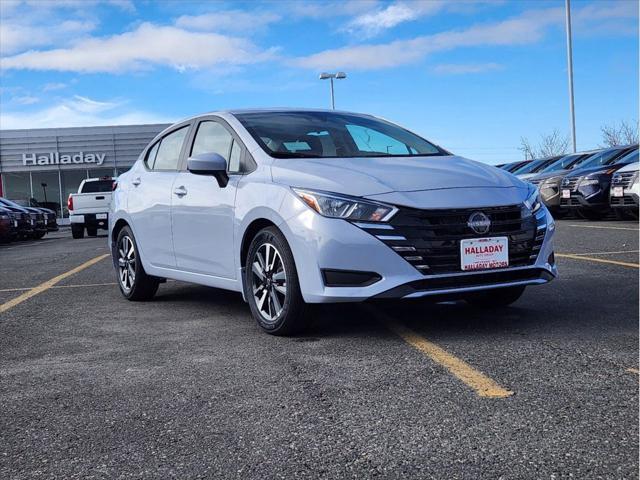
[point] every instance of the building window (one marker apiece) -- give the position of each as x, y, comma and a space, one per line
46, 190
17, 186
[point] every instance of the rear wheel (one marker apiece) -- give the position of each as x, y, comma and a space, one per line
499, 297
271, 284
133, 281
77, 231
92, 232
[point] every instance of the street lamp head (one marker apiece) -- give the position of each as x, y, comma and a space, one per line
325, 76
341, 75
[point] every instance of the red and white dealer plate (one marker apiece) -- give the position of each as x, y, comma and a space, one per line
484, 253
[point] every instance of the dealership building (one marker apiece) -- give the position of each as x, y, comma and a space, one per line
46, 165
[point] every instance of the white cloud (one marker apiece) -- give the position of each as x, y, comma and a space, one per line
464, 68
49, 87
228, 20
16, 36
524, 29
25, 100
372, 23
147, 46
78, 112
324, 9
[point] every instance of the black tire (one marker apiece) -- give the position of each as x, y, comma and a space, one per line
141, 286
38, 236
92, 232
77, 231
287, 310
626, 213
498, 297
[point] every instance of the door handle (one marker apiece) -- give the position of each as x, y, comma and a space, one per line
135, 182
180, 191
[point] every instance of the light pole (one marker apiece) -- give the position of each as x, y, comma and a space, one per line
570, 72
330, 77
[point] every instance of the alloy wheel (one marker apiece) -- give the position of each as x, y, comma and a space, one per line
269, 282
126, 263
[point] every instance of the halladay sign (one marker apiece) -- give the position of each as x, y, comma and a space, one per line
55, 158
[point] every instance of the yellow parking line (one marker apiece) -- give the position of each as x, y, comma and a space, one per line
605, 253
597, 260
478, 381
48, 284
633, 370
605, 227
22, 289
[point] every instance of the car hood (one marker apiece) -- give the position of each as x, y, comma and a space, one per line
544, 176
369, 176
593, 170
632, 167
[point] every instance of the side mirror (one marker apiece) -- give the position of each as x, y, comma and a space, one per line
209, 164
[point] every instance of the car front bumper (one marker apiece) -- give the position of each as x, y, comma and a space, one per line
322, 244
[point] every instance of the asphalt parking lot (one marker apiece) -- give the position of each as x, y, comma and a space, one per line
187, 386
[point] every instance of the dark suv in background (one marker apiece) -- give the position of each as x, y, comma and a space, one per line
586, 190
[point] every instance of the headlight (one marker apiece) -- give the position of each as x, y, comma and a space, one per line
589, 181
533, 202
333, 205
549, 181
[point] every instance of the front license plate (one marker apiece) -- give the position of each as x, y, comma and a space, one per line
566, 193
484, 253
101, 216
618, 191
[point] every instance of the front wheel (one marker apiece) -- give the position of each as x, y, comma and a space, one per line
133, 281
271, 284
499, 297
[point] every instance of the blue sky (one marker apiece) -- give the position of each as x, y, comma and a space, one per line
473, 76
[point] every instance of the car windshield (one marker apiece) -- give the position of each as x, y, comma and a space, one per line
533, 167
332, 135
564, 163
628, 158
603, 157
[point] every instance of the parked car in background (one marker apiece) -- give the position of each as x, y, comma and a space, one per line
511, 167
8, 225
549, 179
586, 190
23, 217
300, 207
36, 226
625, 189
530, 169
89, 208
50, 216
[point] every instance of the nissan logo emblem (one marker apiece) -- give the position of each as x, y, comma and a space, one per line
479, 222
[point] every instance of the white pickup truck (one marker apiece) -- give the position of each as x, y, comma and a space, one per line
89, 208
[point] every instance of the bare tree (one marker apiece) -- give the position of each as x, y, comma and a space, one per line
550, 144
619, 134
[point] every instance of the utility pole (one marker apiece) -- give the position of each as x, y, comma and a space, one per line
570, 72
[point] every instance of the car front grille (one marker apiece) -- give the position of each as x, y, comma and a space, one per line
570, 202
624, 179
625, 201
570, 183
430, 239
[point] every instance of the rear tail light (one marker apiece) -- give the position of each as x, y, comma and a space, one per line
70, 203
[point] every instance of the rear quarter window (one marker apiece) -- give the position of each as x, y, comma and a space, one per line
99, 186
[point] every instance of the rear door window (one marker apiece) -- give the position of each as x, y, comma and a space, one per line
99, 186
168, 155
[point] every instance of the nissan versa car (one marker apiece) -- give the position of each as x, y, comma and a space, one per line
293, 208
587, 189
